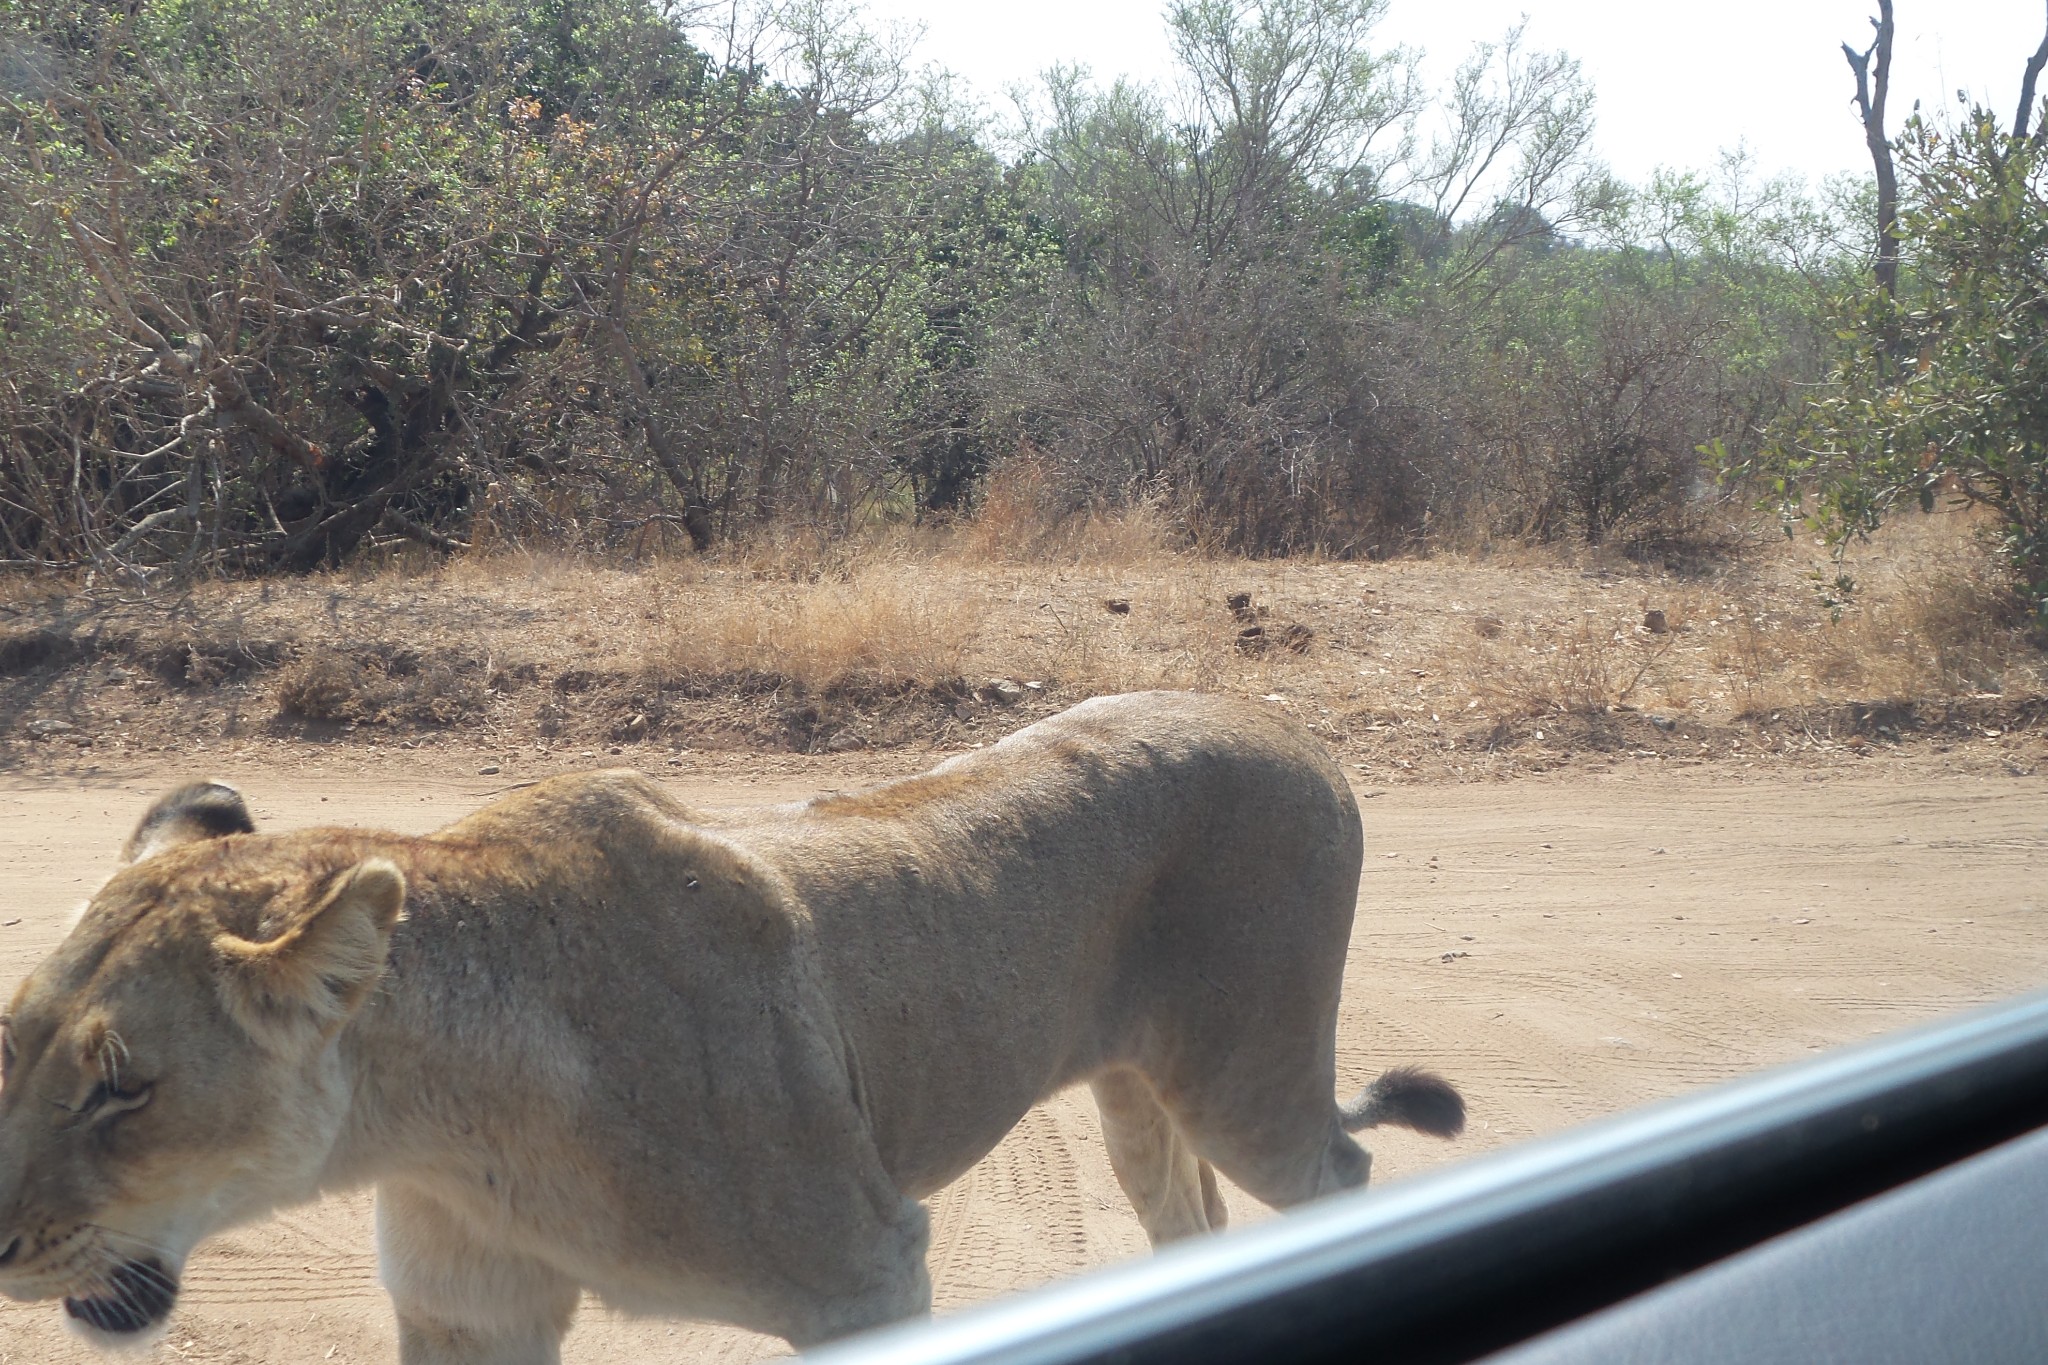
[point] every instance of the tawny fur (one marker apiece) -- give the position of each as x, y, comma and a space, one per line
702, 1067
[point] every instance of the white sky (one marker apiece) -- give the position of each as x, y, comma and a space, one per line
1677, 83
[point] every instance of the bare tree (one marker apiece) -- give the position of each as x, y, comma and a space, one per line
1291, 93
1873, 68
2027, 79
1512, 162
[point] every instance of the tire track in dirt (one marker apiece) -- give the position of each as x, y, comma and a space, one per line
322, 1255
952, 1212
1610, 946
1017, 1218
602, 1334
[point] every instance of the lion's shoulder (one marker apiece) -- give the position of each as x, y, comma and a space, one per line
574, 806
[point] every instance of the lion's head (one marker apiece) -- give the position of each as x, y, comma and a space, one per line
170, 1069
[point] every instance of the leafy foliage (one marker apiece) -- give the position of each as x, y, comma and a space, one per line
1598, 372
407, 265
1946, 386
282, 278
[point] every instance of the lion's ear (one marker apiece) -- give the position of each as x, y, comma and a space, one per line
308, 980
198, 810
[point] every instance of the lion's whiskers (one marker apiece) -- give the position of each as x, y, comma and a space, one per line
121, 1278
113, 1055
109, 1236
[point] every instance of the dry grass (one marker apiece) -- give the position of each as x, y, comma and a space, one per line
882, 623
380, 687
1929, 621
893, 635
1024, 518
1021, 590
1585, 667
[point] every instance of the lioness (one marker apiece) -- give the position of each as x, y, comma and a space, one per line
586, 1038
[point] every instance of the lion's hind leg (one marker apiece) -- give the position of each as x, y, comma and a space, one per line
1276, 1132
1173, 1190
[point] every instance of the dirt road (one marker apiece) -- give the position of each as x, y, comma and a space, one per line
1561, 948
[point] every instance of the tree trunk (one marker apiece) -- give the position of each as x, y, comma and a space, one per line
696, 517
2026, 111
1873, 83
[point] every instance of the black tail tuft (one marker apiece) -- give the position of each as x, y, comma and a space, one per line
1408, 1097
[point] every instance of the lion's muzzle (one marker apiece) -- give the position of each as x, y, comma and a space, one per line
133, 1296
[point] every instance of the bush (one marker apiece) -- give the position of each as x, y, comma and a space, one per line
1943, 390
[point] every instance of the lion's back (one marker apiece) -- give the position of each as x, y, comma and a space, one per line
1197, 752
1016, 918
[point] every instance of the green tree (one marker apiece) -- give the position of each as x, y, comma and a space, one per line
1960, 400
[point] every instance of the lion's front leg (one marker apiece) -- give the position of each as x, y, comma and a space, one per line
461, 1301
879, 1280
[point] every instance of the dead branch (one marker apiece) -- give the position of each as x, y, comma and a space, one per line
395, 520
1873, 84
2026, 110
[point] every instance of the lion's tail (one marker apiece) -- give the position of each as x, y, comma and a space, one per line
1408, 1097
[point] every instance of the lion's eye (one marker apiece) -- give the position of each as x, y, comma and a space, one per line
105, 1101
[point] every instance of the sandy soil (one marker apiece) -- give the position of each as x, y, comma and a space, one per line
1562, 947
